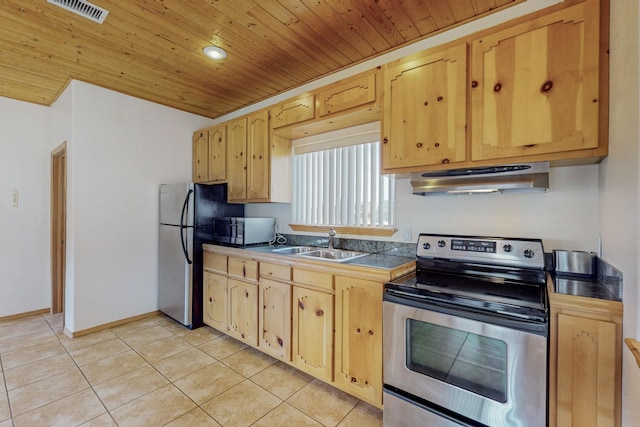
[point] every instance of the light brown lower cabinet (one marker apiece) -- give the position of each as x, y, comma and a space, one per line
275, 318
358, 352
215, 301
326, 324
313, 332
243, 311
585, 362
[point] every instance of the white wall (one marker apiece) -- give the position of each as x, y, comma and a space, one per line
619, 185
565, 217
119, 150
122, 149
24, 230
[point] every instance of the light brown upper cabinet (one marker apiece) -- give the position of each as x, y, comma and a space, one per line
531, 89
293, 111
217, 153
349, 102
424, 109
248, 165
200, 151
348, 93
209, 154
535, 86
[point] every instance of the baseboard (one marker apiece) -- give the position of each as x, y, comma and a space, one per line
76, 334
27, 314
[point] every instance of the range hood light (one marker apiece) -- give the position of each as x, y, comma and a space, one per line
478, 191
214, 52
523, 177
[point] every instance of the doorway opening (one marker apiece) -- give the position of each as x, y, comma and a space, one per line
58, 226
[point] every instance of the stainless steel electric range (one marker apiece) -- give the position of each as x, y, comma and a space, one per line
465, 336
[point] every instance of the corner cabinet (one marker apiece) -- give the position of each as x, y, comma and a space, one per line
200, 152
585, 362
424, 109
358, 353
535, 87
231, 296
209, 154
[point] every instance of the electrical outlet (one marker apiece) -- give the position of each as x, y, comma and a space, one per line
406, 234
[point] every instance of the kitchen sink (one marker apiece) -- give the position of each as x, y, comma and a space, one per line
313, 252
295, 250
335, 255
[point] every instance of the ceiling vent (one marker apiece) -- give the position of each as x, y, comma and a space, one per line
83, 8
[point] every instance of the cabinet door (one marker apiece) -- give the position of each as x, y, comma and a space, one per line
200, 153
358, 354
218, 153
535, 86
258, 164
586, 372
313, 332
293, 111
348, 93
215, 301
237, 160
275, 319
243, 311
424, 109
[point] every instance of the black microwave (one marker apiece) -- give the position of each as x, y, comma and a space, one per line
242, 231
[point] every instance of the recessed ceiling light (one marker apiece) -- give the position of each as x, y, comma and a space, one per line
214, 52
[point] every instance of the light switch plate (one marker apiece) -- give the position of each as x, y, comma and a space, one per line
406, 234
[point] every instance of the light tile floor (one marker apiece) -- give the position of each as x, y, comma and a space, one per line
155, 372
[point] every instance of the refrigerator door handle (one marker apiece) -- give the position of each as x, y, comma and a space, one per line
183, 237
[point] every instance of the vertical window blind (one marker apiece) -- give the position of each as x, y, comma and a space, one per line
341, 185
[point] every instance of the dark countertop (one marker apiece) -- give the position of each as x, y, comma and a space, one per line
585, 287
382, 261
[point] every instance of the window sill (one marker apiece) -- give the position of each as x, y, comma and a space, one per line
363, 231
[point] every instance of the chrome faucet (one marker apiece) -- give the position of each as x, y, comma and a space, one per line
332, 234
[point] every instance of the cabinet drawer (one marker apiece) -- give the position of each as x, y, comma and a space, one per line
275, 271
215, 262
313, 278
243, 268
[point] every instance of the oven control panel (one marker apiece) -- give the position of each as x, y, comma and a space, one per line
490, 250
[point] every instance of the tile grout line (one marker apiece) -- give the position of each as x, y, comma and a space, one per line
83, 375
6, 389
193, 343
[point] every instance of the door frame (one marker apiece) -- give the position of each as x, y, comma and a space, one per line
58, 226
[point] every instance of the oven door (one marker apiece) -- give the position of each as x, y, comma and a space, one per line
488, 373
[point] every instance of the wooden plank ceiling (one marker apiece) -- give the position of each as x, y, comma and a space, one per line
152, 49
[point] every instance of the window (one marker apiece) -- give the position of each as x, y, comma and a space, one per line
337, 181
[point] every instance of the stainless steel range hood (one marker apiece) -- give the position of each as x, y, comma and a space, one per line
522, 177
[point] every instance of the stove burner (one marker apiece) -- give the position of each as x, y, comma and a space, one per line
503, 281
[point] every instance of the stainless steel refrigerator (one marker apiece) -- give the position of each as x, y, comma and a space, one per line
186, 212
